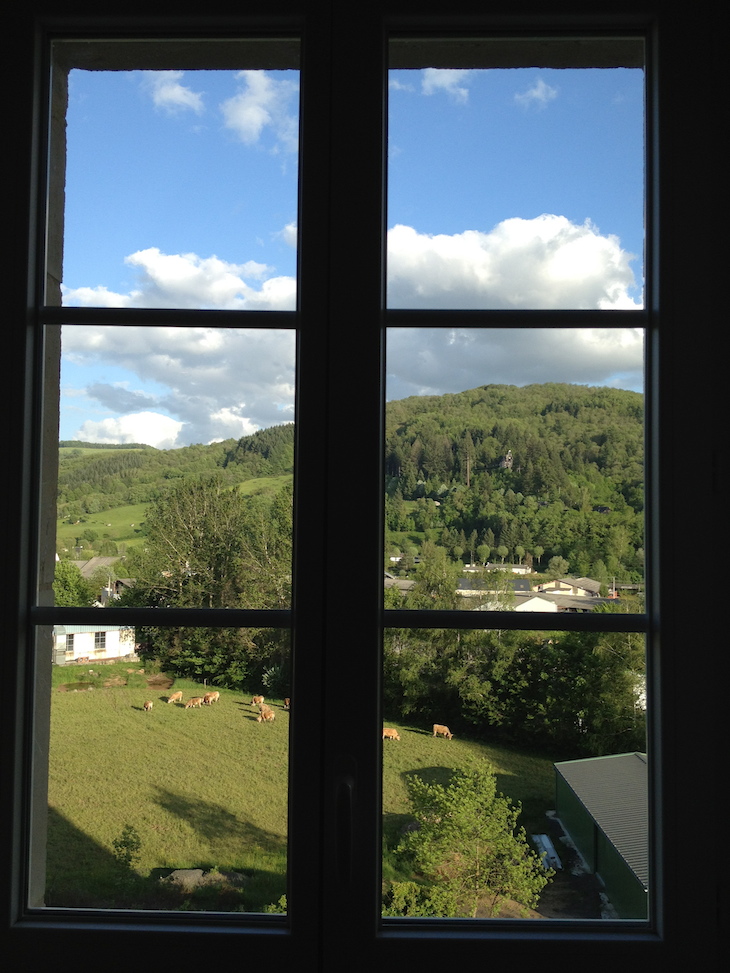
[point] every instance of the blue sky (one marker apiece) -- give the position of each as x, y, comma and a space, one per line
516, 188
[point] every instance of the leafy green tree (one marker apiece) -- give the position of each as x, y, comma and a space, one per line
558, 567
468, 844
436, 580
70, 588
483, 552
209, 546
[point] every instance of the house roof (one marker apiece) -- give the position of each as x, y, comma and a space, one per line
87, 568
615, 792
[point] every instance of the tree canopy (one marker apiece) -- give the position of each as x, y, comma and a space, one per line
467, 844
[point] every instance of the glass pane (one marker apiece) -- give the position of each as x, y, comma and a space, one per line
181, 184
516, 174
515, 775
175, 467
514, 464
147, 810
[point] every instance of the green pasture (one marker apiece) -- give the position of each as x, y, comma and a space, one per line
181, 779
119, 524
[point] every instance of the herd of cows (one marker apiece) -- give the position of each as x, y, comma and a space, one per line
439, 730
267, 715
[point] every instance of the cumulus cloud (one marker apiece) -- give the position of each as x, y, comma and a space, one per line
142, 427
537, 96
448, 80
541, 263
168, 94
209, 383
431, 361
185, 280
263, 104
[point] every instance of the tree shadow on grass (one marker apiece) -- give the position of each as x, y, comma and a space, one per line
83, 874
213, 821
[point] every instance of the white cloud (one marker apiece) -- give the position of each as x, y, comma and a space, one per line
448, 80
539, 95
189, 281
436, 360
263, 104
210, 383
151, 428
168, 94
541, 263
289, 235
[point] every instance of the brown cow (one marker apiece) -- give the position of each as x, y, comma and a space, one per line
148, 706
287, 703
211, 698
390, 734
266, 714
257, 700
176, 697
193, 702
439, 730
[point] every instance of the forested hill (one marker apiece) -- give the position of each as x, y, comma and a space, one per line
93, 477
540, 471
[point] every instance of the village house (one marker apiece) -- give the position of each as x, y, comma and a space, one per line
93, 643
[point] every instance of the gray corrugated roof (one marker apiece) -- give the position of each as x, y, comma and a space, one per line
615, 791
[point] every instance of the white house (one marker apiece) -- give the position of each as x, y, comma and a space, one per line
92, 643
578, 587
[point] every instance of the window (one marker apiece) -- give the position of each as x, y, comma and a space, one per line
334, 817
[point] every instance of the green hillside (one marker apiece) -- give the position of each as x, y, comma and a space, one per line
525, 473
104, 491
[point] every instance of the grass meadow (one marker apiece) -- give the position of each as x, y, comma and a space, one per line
180, 779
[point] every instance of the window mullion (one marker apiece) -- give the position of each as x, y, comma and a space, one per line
354, 528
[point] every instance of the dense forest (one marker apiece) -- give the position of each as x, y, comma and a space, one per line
520, 474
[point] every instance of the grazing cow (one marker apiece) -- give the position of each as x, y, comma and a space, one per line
148, 706
257, 700
211, 698
266, 714
439, 730
193, 702
287, 703
390, 734
176, 697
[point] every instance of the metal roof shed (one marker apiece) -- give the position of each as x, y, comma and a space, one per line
602, 803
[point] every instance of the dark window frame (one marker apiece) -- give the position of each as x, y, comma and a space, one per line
332, 914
